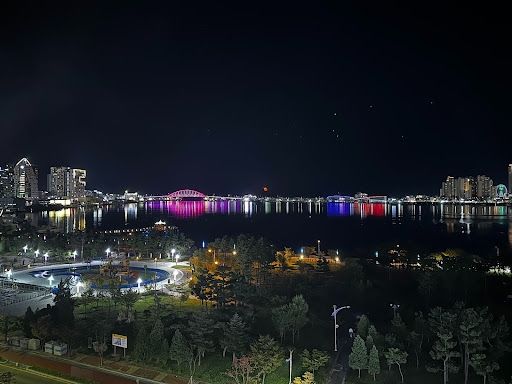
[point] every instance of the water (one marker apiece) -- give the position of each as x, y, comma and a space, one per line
354, 227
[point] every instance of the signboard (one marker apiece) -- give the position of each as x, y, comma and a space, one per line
119, 341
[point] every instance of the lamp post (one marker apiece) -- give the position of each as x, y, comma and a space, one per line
8, 272
395, 308
214, 258
177, 258
175, 274
46, 256
139, 282
74, 255
290, 360
336, 326
37, 253
78, 286
173, 251
25, 248
107, 251
318, 243
50, 279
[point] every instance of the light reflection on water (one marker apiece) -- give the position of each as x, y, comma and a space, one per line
456, 218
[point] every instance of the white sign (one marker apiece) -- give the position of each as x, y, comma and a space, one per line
119, 341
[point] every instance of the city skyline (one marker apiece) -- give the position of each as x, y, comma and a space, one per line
337, 98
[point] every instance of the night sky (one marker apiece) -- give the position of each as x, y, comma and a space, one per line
309, 100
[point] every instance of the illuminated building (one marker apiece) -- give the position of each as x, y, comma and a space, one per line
6, 182
510, 177
484, 187
25, 180
67, 182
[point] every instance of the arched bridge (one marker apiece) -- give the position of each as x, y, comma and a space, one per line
186, 194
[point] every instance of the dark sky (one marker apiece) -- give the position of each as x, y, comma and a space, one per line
310, 100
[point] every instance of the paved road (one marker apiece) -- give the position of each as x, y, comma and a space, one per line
29, 377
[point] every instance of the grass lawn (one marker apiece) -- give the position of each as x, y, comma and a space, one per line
411, 376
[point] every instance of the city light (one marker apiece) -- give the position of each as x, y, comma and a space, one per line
50, 279
25, 248
139, 282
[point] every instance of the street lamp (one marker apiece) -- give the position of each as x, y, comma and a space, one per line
139, 282
155, 261
177, 258
25, 248
175, 274
37, 253
318, 242
336, 326
8, 272
74, 255
395, 308
46, 256
107, 251
173, 251
50, 279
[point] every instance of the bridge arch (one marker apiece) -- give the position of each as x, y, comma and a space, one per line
186, 194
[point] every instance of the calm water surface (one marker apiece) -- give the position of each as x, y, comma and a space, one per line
483, 229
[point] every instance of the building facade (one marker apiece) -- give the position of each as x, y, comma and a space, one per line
510, 178
484, 188
6, 182
66, 182
467, 188
25, 180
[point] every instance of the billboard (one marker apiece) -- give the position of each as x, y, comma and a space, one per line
119, 340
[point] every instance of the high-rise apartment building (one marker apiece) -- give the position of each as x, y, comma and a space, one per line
6, 182
25, 180
66, 182
510, 178
448, 189
484, 187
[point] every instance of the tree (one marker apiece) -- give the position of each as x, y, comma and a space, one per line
358, 358
398, 357
235, 336
483, 366
86, 299
266, 355
442, 322
141, 350
298, 315
42, 328
281, 320
307, 378
470, 334
27, 322
7, 378
369, 342
242, 370
128, 299
201, 329
179, 350
156, 342
313, 361
373, 362
362, 326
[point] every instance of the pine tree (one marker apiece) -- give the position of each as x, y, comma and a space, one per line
201, 329
298, 315
483, 366
374, 362
369, 342
363, 326
313, 361
235, 336
398, 357
266, 355
156, 338
141, 349
470, 334
179, 350
358, 358
281, 320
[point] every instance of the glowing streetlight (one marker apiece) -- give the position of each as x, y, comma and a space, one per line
74, 255
46, 256
107, 251
25, 248
336, 326
177, 258
175, 274
139, 282
50, 279
173, 251
337, 259
395, 308
37, 253
318, 242
155, 261
8, 272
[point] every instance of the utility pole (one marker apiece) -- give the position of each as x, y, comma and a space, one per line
336, 326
